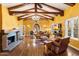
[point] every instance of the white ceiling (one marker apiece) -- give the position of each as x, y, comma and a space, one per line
10, 4
61, 6
48, 9
29, 6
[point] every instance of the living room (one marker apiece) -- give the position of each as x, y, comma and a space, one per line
16, 27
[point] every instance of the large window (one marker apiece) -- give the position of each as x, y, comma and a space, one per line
72, 27
76, 28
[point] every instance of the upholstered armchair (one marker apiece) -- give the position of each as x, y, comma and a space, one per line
57, 49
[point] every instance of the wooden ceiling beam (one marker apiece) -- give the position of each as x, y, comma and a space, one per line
35, 7
52, 7
11, 12
40, 18
34, 15
42, 10
25, 17
47, 15
29, 9
70, 4
44, 16
22, 15
19, 18
38, 15
18, 6
39, 5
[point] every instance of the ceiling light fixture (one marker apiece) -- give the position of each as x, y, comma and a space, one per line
35, 17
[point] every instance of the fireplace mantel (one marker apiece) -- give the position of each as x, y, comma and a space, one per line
6, 40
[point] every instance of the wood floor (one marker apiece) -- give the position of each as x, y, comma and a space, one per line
29, 48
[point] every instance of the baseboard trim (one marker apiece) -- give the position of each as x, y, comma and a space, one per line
74, 47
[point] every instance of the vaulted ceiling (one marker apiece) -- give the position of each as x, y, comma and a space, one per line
44, 10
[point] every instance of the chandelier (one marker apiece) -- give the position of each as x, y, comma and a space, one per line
35, 17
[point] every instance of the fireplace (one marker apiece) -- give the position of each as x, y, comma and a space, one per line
11, 39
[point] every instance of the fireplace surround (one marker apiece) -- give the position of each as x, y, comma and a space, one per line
11, 40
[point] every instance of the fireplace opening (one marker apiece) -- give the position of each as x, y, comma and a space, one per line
11, 39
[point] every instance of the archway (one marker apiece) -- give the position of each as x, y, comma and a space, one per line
36, 28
